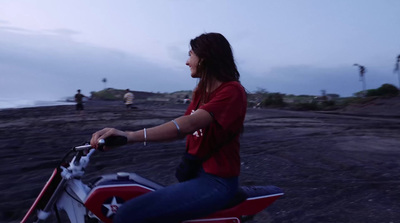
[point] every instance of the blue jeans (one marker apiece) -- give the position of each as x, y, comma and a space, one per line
183, 201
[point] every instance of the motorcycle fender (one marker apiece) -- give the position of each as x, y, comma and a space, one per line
44, 194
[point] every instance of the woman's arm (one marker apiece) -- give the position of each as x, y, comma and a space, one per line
164, 132
167, 131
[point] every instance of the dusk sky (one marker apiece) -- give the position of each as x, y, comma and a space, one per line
49, 49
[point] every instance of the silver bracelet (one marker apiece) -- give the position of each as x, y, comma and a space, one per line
145, 137
177, 127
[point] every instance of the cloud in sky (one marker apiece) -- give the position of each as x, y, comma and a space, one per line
49, 49
57, 67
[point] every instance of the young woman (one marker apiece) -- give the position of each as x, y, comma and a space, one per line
212, 124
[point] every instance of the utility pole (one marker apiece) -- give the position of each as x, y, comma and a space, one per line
105, 82
362, 70
396, 68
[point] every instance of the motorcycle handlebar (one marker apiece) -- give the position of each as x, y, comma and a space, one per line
83, 147
112, 141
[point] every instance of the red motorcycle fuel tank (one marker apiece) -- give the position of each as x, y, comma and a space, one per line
111, 191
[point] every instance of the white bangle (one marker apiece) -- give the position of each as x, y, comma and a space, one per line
145, 137
177, 127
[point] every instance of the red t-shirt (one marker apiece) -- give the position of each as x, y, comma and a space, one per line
227, 105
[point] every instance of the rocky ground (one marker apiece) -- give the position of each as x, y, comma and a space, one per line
340, 166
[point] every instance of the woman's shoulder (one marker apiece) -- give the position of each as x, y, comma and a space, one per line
232, 86
231, 90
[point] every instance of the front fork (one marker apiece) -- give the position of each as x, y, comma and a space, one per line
75, 210
42, 215
71, 201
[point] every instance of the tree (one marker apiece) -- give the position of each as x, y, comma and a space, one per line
362, 76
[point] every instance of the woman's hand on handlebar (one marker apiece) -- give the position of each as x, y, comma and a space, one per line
104, 134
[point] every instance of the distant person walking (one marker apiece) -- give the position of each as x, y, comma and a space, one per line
186, 100
79, 101
128, 99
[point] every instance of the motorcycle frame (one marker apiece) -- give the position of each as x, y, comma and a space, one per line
70, 194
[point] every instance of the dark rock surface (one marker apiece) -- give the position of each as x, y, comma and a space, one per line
333, 167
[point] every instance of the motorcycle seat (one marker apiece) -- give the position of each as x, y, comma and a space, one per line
248, 192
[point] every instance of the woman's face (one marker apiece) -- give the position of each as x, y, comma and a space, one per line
193, 62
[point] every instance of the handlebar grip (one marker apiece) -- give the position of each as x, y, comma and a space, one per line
112, 141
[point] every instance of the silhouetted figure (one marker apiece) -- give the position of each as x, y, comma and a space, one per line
79, 101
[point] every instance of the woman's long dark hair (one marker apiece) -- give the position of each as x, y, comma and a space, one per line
216, 61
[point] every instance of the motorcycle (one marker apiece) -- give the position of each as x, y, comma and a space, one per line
99, 200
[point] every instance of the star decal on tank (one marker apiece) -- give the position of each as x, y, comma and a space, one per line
111, 205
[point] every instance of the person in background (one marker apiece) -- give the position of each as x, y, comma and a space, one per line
79, 101
212, 125
128, 99
186, 100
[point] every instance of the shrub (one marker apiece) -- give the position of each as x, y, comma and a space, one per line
312, 106
273, 99
105, 95
388, 90
384, 90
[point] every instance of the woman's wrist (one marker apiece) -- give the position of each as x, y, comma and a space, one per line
137, 136
131, 137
